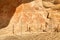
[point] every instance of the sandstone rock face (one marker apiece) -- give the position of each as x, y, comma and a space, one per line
29, 16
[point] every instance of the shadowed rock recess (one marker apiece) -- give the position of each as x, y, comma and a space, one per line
25, 19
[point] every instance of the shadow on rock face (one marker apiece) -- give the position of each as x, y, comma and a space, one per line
27, 1
7, 10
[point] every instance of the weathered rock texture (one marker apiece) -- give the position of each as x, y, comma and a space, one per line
29, 16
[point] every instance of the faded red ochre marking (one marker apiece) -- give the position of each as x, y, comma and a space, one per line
28, 18
24, 18
39, 18
19, 9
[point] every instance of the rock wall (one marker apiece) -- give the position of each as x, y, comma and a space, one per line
29, 16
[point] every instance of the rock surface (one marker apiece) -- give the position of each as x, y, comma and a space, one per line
18, 17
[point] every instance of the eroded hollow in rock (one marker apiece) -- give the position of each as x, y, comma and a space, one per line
7, 9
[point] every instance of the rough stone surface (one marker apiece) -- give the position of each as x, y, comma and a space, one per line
29, 19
